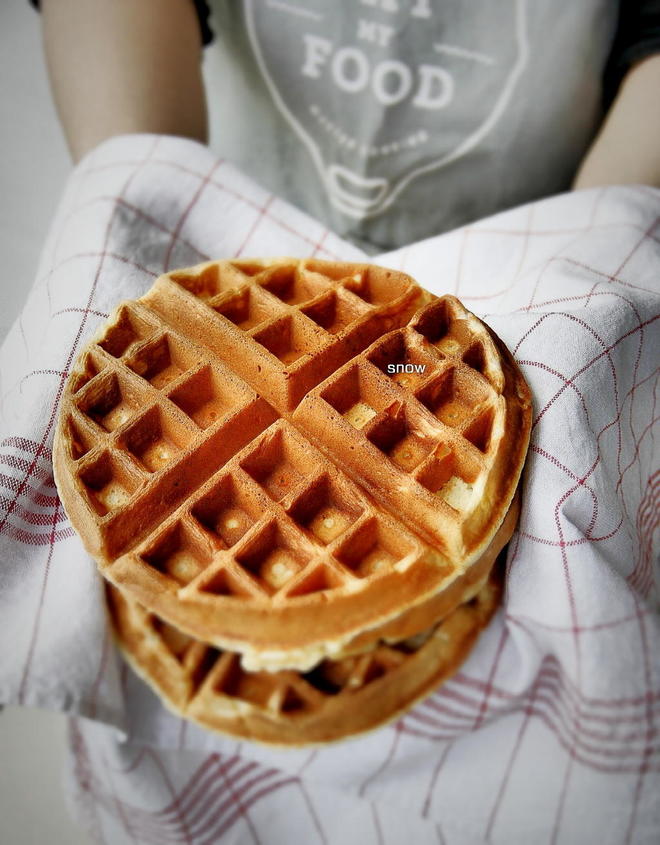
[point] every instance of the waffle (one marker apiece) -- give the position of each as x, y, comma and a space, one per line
337, 699
281, 457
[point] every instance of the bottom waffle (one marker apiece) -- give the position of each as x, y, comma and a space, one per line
337, 699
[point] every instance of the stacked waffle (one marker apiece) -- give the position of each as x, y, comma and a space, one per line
296, 477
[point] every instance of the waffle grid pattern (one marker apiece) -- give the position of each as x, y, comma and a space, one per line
144, 403
275, 524
187, 442
428, 398
299, 321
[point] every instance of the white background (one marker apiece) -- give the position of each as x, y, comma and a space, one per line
33, 158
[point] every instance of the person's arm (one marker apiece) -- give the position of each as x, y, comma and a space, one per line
627, 148
121, 66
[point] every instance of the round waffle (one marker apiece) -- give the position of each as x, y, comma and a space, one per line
337, 699
279, 456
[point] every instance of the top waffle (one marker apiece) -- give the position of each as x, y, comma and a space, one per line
277, 456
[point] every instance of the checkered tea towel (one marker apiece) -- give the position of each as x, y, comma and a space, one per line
550, 731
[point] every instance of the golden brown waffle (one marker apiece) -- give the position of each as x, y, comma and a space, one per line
435, 447
235, 455
337, 699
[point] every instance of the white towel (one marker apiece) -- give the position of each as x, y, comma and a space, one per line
550, 731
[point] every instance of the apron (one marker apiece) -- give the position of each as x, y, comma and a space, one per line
395, 120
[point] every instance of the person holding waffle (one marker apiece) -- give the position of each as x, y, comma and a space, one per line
389, 121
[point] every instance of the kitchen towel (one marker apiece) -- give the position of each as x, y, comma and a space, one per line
550, 731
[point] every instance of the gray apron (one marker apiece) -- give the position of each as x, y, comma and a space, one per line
394, 120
